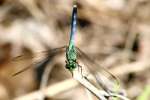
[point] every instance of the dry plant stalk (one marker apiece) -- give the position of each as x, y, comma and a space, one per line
100, 94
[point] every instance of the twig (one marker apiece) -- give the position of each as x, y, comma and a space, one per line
78, 76
44, 79
119, 96
102, 95
89, 94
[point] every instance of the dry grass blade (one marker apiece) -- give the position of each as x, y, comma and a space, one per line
103, 95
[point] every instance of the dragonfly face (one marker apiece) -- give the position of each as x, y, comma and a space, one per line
71, 65
71, 57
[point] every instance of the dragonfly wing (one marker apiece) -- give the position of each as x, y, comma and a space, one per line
37, 54
49, 55
27, 57
98, 71
40, 67
22, 70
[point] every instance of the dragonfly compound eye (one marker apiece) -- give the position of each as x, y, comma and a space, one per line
71, 65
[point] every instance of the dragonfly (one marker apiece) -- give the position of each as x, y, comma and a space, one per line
73, 54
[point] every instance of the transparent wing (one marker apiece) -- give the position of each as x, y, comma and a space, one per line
40, 67
49, 56
104, 78
27, 57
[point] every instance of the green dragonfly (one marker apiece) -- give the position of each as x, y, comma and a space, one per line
73, 54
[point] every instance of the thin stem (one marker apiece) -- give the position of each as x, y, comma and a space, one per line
102, 95
78, 76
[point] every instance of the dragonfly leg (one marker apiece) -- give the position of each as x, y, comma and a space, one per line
80, 68
72, 74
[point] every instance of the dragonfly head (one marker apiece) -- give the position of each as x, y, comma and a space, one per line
71, 65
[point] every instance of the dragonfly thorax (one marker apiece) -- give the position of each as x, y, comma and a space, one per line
71, 58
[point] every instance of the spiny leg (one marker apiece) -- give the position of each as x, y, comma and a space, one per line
80, 69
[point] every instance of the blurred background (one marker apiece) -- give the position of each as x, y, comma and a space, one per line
115, 33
